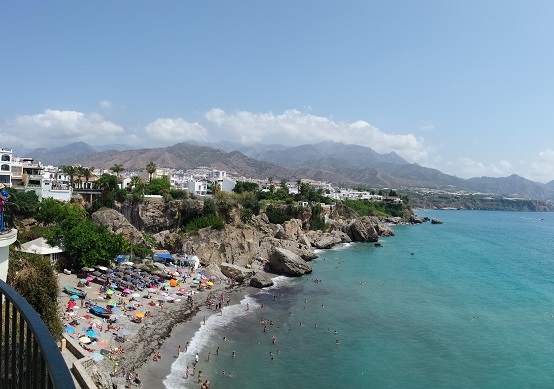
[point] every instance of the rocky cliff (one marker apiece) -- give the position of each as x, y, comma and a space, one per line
284, 248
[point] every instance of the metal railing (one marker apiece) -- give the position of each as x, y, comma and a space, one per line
29, 356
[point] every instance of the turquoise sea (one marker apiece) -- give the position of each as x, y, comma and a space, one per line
472, 307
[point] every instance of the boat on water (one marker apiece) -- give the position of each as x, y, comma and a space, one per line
71, 290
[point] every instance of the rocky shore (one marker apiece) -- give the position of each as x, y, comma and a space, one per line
286, 249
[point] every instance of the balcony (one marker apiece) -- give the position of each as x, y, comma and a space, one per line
29, 356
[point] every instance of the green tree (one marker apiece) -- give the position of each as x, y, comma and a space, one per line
34, 278
136, 183
70, 171
245, 186
87, 243
107, 182
210, 208
117, 169
157, 186
151, 169
87, 173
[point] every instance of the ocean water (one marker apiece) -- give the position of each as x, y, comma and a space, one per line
465, 304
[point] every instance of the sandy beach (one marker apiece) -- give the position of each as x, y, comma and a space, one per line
166, 328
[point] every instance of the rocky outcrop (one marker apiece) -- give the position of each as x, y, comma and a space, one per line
283, 261
156, 214
269, 244
414, 219
324, 240
362, 230
436, 221
292, 230
235, 272
117, 224
261, 280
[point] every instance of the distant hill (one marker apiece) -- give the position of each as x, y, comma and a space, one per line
337, 163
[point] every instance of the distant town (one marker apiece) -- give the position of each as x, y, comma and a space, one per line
47, 181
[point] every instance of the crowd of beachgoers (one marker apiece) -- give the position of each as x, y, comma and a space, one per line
121, 315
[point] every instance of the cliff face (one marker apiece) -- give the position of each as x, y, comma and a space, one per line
240, 244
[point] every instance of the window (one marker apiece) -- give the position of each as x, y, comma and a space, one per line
5, 157
4, 179
5, 168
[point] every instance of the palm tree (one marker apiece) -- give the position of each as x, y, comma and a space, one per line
271, 186
117, 169
135, 182
87, 173
69, 171
79, 173
151, 169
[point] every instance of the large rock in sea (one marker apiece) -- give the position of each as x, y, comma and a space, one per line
238, 273
326, 240
363, 230
283, 261
269, 244
116, 223
261, 280
436, 221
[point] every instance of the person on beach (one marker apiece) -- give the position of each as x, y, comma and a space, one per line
196, 358
208, 357
217, 351
199, 376
187, 372
179, 350
233, 354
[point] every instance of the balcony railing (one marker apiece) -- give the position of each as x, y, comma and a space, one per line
29, 356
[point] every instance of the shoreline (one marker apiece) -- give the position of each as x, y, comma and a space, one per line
173, 324
153, 373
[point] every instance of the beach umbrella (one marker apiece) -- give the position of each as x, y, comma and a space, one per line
116, 309
126, 290
91, 334
95, 323
96, 357
182, 289
112, 303
69, 330
210, 283
152, 290
124, 332
135, 295
89, 278
84, 339
109, 291
96, 273
74, 297
139, 314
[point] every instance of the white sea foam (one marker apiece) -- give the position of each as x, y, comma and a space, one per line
214, 325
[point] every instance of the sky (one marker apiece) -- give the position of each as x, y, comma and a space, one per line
466, 87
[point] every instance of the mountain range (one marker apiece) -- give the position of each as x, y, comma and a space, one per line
337, 163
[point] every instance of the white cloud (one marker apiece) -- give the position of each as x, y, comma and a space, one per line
171, 131
105, 104
294, 127
468, 168
55, 127
542, 169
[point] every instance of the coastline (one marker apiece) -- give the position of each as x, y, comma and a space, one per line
153, 373
169, 326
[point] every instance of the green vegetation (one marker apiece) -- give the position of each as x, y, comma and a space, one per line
34, 278
87, 243
476, 202
376, 208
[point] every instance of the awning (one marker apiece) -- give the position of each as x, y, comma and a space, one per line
163, 255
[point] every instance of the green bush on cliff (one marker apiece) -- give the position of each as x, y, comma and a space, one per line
204, 222
34, 278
